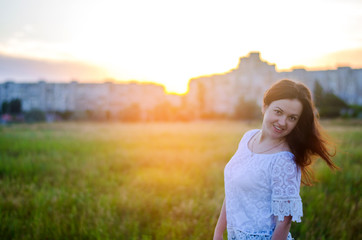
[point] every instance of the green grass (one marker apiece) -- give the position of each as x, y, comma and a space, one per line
151, 181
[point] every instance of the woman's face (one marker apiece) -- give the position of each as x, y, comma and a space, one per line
281, 117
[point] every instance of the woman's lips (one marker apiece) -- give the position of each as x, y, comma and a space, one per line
277, 129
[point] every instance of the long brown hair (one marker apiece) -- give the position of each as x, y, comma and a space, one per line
306, 141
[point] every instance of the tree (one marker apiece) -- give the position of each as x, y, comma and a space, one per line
332, 106
131, 113
201, 96
328, 104
15, 106
35, 115
163, 112
246, 110
318, 94
65, 115
5, 108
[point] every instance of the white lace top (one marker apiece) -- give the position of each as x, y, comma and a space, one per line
261, 189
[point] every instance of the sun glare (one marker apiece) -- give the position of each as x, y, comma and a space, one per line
139, 40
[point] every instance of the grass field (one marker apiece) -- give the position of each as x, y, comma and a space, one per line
152, 181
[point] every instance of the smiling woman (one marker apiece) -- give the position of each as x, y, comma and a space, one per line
281, 117
262, 179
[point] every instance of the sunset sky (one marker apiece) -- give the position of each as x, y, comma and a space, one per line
169, 42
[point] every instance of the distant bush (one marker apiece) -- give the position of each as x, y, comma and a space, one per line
354, 111
65, 115
167, 112
35, 115
131, 113
13, 107
247, 110
214, 116
328, 104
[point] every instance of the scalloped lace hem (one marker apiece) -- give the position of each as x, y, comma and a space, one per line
283, 208
236, 234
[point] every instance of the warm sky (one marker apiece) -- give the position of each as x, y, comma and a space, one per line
169, 42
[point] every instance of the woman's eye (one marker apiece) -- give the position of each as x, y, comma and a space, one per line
293, 118
277, 111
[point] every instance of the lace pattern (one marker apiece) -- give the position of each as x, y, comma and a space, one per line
283, 208
260, 189
285, 190
234, 234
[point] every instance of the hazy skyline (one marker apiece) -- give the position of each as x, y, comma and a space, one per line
169, 42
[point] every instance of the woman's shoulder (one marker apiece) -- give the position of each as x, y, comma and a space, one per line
286, 157
247, 135
286, 160
250, 133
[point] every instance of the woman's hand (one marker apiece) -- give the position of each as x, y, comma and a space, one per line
282, 229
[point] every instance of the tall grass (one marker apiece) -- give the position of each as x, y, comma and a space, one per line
150, 181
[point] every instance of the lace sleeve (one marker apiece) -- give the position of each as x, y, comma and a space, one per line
286, 178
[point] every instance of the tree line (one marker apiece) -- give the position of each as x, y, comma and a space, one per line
328, 104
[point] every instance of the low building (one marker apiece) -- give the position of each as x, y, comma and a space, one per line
110, 98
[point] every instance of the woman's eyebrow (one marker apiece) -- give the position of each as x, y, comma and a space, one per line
280, 109
294, 115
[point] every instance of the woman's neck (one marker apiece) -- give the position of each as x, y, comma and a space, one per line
262, 137
262, 143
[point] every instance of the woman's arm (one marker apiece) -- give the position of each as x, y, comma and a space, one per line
282, 229
221, 224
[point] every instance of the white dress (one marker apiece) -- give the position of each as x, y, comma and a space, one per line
260, 189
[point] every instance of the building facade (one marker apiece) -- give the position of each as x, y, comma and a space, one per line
81, 97
220, 93
213, 94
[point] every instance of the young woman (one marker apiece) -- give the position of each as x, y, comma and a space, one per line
262, 179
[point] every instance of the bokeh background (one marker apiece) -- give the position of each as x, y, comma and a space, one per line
118, 117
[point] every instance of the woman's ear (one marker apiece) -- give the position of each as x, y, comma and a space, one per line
263, 108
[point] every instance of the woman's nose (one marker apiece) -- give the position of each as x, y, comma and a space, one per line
282, 121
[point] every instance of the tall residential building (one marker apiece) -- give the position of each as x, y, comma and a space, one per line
213, 94
220, 93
